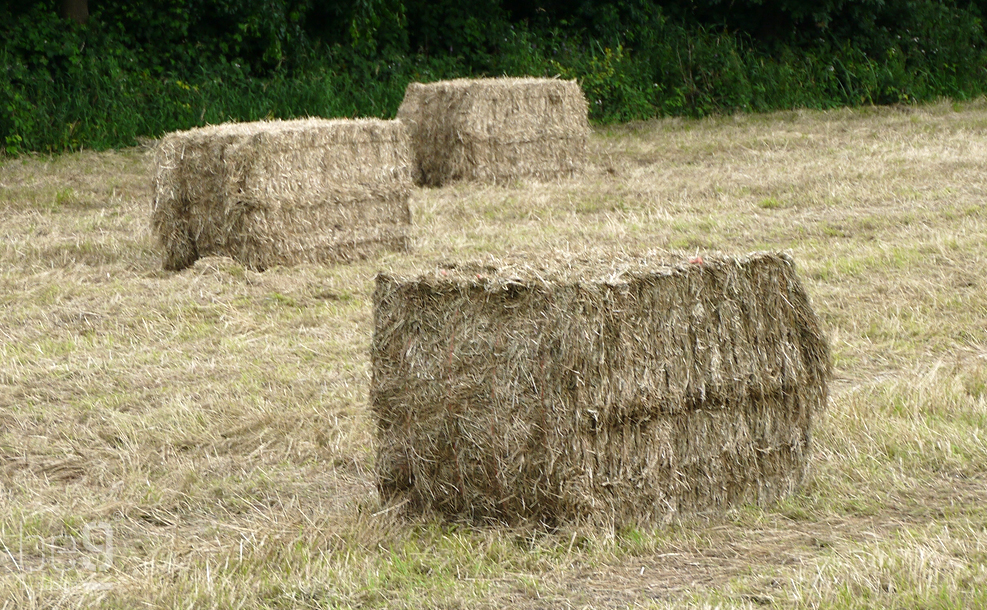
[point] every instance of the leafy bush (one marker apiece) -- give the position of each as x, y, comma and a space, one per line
143, 69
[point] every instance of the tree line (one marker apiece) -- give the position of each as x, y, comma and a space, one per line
105, 73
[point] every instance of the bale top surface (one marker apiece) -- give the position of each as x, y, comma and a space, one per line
235, 129
507, 83
562, 268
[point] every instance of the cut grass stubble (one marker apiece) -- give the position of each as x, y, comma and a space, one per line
216, 420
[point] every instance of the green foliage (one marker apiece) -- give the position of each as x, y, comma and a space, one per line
142, 69
51, 70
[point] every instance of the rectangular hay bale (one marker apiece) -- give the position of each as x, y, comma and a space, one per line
495, 129
625, 390
282, 192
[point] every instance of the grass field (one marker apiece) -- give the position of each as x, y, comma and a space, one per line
202, 439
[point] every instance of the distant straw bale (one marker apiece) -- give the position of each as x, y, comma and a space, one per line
621, 390
282, 192
495, 129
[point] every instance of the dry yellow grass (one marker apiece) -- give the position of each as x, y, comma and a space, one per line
202, 439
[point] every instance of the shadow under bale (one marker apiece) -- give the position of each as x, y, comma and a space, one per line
613, 390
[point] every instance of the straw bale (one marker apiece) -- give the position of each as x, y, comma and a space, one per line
621, 390
282, 192
495, 129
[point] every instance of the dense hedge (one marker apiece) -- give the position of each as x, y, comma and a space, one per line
142, 69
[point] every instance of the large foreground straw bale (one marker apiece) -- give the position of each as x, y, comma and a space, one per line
282, 192
495, 129
625, 390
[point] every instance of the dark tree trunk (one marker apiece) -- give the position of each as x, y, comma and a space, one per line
76, 10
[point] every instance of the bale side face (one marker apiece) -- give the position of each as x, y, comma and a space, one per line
670, 390
497, 129
282, 192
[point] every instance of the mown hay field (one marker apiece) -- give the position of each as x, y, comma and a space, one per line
203, 438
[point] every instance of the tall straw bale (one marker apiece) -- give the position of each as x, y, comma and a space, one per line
282, 192
495, 129
622, 390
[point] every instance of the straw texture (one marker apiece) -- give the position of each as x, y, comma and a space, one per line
612, 389
282, 192
495, 129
